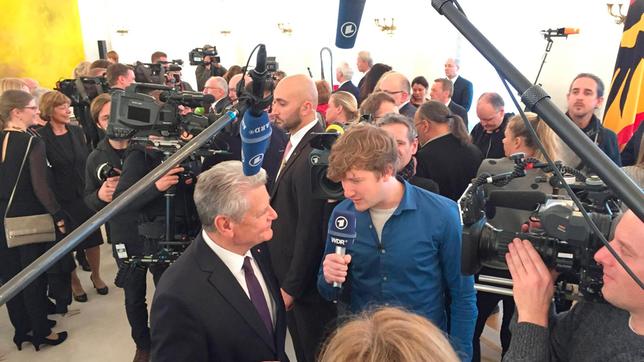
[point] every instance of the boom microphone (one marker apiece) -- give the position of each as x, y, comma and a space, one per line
342, 232
255, 129
520, 200
349, 16
559, 32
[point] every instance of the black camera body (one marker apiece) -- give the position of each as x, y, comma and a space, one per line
81, 91
132, 111
563, 238
321, 186
197, 56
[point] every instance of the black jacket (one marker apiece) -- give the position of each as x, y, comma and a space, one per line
490, 144
68, 165
103, 153
448, 162
351, 88
463, 93
459, 111
201, 313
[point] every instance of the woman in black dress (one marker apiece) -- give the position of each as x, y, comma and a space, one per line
28, 309
67, 153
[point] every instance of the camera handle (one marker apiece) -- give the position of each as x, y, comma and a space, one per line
169, 213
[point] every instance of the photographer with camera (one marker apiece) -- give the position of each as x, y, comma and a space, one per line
590, 331
119, 76
517, 140
142, 225
211, 67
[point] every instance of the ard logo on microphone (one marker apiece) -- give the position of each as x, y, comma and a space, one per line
257, 160
341, 222
349, 29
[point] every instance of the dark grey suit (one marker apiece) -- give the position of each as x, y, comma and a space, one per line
201, 313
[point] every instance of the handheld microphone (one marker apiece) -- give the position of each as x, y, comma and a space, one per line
520, 200
559, 32
349, 16
255, 128
191, 99
342, 232
335, 128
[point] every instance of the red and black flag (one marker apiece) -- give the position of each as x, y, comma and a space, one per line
625, 102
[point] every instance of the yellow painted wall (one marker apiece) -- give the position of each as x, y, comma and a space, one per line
40, 39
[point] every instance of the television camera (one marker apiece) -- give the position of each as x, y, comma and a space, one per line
562, 237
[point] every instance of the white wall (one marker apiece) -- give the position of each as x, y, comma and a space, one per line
423, 41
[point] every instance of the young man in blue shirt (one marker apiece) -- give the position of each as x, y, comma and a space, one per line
408, 247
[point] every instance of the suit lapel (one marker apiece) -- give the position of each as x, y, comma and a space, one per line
225, 283
297, 152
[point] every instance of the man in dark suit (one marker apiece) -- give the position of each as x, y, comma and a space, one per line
218, 88
343, 74
298, 240
441, 91
220, 300
364, 64
398, 87
463, 88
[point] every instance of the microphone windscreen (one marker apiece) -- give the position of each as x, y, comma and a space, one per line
520, 200
349, 16
255, 135
343, 228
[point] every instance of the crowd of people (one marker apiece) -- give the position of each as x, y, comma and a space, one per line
261, 261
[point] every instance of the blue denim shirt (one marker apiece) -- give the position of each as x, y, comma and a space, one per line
415, 264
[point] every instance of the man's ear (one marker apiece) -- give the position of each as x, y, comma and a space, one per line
223, 225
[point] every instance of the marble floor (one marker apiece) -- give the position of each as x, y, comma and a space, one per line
99, 331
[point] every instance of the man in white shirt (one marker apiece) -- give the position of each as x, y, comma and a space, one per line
220, 301
218, 88
463, 88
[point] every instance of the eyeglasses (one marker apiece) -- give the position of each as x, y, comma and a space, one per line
392, 93
33, 108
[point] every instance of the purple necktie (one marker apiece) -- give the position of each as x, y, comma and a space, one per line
257, 295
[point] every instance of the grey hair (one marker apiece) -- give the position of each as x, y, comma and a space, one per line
365, 56
221, 83
220, 191
345, 70
395, 118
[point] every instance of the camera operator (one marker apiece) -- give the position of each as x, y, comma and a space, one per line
590, 331
517, 140
105, 160
145, 214
119, 76
209, 68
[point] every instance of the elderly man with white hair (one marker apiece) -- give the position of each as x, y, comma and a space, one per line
344, 73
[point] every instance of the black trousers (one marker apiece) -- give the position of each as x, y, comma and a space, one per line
486, 302
28, 309
310, 321
136, 308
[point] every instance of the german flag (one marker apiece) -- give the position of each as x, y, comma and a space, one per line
625, 103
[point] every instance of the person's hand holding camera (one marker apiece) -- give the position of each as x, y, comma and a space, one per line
533, 282
169, 179
106, 192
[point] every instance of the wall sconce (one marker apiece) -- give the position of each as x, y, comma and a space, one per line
122, 32
619, 17
389, 29
285, 28
225, 32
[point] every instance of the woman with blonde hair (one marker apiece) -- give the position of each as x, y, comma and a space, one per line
343, 109
388, 334
13, 83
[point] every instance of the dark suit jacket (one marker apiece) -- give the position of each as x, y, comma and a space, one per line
351, 88
201, 313
408, 110
463, 93
459, 111
448, 162
220, 105
298, 232
229, 140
